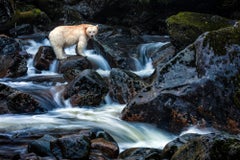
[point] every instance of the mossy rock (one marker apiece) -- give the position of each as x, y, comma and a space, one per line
222, 38
185, 27
33, 16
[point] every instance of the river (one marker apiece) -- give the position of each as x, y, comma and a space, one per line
65, 117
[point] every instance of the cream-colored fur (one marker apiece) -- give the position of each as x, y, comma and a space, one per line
65, 36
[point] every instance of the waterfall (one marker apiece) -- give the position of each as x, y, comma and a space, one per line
144, 63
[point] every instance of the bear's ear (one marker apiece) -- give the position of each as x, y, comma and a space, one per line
97, 25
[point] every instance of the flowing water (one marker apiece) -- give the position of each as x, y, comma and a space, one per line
63, 116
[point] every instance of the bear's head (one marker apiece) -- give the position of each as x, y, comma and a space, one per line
92, 31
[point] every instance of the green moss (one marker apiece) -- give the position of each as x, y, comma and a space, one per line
185, 27
204, 22
218, 40
33, 16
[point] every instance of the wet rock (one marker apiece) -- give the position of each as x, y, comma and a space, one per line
19, 102
71, 147
89, 88
7, 11
173, 146
185, 27
44, 58
27, 156
12, 63
141, 154
118, 47
197, 86
73, 66
42, 146
124, 85
160, 51
23, 29
100, 133
103, 146
14, 101
108, 149
26, 14
90, 9
92, 143
60, 12
210, 146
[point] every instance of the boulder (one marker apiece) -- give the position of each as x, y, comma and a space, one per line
15, 101
199, 86
124, 85
23, 29
7, 11
92, 143
71, 147
44, 58
12, 63
42, 146
210, 146
141, 154
172, 147
88, 88
185, 27
73, 66
27, 14
105, 147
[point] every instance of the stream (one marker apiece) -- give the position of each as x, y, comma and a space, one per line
65, 117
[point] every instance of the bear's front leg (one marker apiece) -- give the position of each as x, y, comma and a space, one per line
59, 52
82, 44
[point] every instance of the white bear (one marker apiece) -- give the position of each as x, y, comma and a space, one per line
65, 36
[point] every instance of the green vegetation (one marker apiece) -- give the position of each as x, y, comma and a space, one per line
222, 38
185, 27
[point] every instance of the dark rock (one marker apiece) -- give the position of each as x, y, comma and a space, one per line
124, 85
160, 52
107, 148
197, 87
14, 101
71, 147
173, 146
7, 11
23, 29
89, 88
141, 154
44, 58
118, 47
41, 146
27, 156
73, 66
89, 9
27, 14
12, 63
185, 27
19, 102
100, 133
60, 12
210, 146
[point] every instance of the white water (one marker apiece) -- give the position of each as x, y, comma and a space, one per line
66, 117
